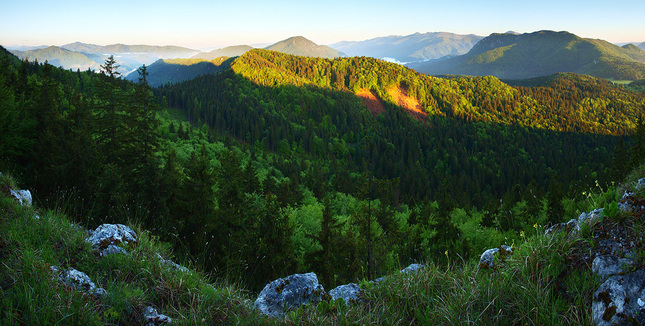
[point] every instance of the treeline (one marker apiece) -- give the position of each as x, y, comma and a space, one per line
478, 159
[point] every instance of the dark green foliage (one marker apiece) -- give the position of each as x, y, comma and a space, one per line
259, 172
554, 196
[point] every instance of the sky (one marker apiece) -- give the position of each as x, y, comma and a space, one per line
206, 25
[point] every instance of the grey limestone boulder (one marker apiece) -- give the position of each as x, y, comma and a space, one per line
23, 196
640, 183
112, 249
412, 268
573, 226
620, 300
487, 259
152, 318
289, 293
348, 292
609, 265
80, 281
172, 264
111, 234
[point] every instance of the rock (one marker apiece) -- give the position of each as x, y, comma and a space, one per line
641, 183
151, 317
111, 234
594, 215
23, 196
609, 265
412, 268
168, 262
625, 207
79, 281
348, 292
112, 249
573, 226
289, 293
379, 280
486, 260
618, 300
626, 195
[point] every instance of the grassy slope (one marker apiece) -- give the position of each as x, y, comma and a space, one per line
541, 283
30, 295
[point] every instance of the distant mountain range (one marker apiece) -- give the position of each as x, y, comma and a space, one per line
410, 48
59, 57
301, 46
90, 56
507, 55
174, 71
529, 55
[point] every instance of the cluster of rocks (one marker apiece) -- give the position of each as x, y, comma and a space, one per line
573, 226
620, 299
293, 291
105, 241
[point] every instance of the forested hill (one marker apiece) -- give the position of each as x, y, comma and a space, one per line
542, 53
468, 133
569, 102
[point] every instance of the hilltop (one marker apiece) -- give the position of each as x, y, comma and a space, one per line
165, 71
542, 53
229, 51
301, 46
410, 48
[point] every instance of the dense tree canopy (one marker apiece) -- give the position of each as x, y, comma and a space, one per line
275, 166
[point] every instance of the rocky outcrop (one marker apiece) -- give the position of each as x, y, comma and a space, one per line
412, 268
23, 196
112, 249
348, 292
152, 318
79, 281
109, 236
620, 300
608, 265
172, 264
289, 293
573, 226
487, 259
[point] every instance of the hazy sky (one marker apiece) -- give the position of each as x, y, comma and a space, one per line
213, 24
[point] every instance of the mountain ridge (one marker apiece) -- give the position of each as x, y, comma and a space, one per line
413, 47
229, 51
542, 53
299, 45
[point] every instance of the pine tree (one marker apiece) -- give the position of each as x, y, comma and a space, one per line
555, 209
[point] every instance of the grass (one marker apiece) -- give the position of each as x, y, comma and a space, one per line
30, 294
544, 282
